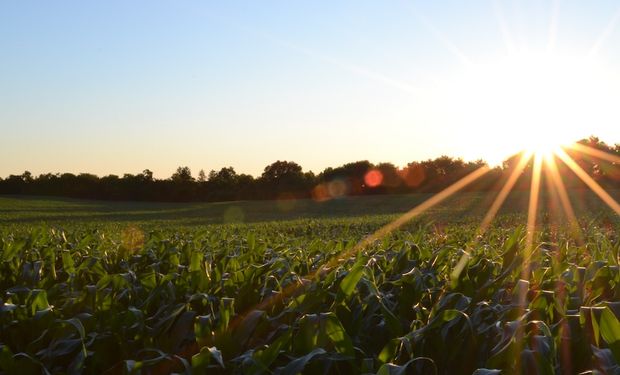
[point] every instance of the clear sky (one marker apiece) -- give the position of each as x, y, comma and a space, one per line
120, 86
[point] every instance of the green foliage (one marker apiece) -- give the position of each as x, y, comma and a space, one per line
299, 297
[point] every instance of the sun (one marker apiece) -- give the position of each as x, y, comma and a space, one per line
544, 150
536, 102
543, 142
536, 99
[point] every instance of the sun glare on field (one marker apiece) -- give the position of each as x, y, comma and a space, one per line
527, 101
542, 142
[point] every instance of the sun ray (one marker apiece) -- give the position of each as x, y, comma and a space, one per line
595, 152
447, 43
557, 186
553, 206
522, 286
504, 29
501, 197
560, 188
604, 35
596, 188
355, 69
531, 216
490, 215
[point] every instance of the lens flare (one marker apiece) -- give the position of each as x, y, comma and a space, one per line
373, 178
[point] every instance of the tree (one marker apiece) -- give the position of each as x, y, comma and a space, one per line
147, 175
225, 176
223, 184
599, 169
283, 177
27, 176
202, 177
352, 173
183, 174
282, 170
389, 175
446, 166
413, 175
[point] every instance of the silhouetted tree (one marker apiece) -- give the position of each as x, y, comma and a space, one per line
27, 177
287, 179
183, 174
202, 177
352, 173
390, 176
223, 184
147, 175
283, 177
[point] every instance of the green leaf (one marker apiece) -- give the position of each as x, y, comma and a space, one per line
251, 240
297, 365
67, 263
6, 360
132, 367
38, 300
60, 348
247, 326
264, 358
392, 322
196, 262
595, 323
610, 331
77, 324
12, 249
347, 285
27, 364
393, 369
217, 355
335, 331
389, 351
149, 280
227, 310
201, 361
203, 327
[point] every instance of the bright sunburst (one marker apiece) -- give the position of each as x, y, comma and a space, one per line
540, 96
544, 150
527, 101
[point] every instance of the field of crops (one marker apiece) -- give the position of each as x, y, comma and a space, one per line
298, 296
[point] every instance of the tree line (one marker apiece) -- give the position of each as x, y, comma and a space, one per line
287, 180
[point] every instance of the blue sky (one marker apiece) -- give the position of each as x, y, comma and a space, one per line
117, 87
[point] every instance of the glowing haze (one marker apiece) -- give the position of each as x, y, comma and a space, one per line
117, 87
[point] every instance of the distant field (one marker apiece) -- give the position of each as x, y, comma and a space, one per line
33, 210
